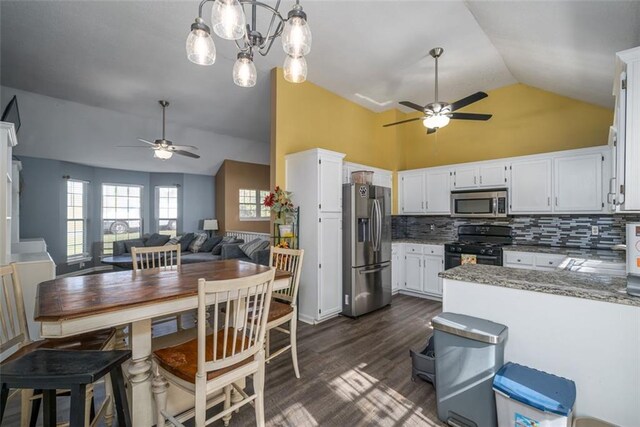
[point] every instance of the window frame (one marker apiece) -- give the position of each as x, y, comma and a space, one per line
258, 205
102, 218
157, 217
84, 256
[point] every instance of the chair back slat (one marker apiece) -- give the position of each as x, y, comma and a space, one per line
246, 306
288, 260
164, 257
13, 319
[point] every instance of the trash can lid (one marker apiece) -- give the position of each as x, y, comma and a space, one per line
470, 327
540, 390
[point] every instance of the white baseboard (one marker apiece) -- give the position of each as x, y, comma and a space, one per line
311, 321
419, 295
86, 271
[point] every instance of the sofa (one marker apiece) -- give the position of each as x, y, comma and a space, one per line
230, 248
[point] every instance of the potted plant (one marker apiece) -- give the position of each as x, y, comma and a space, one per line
279, 202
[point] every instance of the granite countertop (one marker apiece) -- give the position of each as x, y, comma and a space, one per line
564, 283
423, 241
594, 254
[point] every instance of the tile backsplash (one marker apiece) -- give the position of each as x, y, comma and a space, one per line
548, 230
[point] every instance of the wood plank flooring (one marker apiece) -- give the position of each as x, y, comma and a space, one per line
353, 373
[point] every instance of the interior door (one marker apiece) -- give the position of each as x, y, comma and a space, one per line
413, 272
578, 183
438, 198
530, 186
412, 187
330, 264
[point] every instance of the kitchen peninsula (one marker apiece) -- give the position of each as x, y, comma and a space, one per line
584, 327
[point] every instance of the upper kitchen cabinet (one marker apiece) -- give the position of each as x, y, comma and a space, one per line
578, 183
625, 184
530, 186
412, 194
485, 175
381, 177
437, 197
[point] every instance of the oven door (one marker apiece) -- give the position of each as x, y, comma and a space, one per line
481, 204
454, 259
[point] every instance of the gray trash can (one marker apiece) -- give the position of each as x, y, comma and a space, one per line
469, 351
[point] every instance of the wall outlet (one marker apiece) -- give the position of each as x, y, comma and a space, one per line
595, 230
432, 227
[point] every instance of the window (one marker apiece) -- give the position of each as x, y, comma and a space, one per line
251, 208
76, 220
167, 210
121, 214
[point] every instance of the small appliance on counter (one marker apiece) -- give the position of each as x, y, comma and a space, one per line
633, 259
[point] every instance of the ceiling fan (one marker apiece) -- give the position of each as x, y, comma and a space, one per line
438, 113
164, 149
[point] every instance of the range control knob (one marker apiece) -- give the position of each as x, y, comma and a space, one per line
459, 249
489, 251
482, 251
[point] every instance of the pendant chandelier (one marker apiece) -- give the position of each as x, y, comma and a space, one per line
229, 21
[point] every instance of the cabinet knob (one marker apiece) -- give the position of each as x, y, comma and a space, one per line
550, 262
519, 260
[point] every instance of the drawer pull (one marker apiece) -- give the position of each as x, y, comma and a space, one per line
519, 260
550, 262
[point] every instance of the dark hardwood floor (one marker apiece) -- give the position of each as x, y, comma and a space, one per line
353, 373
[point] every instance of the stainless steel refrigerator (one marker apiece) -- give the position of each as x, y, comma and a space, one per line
366, 253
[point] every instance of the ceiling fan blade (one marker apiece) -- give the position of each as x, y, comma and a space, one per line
146, 142
430, 131
403, 121
467, 101
186, 153
181, 147
470, 116
412, 105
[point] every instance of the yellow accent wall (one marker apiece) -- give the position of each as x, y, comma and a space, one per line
526, 120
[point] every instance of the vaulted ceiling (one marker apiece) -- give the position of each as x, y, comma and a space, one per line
124, 56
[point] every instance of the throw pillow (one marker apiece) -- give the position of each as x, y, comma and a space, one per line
195, 244
157, 240
185, 241
138, 243
173, 241
254, 246
208, 245
217, 249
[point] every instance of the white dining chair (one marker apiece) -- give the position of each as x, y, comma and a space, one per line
209, 366
15, 341
284, 308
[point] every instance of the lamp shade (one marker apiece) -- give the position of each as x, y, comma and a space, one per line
210, 224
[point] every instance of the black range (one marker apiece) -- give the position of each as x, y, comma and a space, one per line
485, 242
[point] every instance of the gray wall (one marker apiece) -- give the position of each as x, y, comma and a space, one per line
43, 202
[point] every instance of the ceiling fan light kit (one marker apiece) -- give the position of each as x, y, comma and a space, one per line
229, 21
438, 114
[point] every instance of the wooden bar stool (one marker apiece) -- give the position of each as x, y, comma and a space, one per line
51, 370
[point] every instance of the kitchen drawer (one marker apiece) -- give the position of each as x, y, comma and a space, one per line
549, 260
519, 258
433, 249
412, 248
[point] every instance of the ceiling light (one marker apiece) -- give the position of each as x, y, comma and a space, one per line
200, 47
295, 69
162, 154
229, 21
244, 70
296, 37
436, 121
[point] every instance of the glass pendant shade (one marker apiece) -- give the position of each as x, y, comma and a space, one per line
296, 37
295, 69
228, 19
200, 47
162, 154
436, 121
244, 71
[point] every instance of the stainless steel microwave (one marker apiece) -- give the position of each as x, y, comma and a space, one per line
479, 204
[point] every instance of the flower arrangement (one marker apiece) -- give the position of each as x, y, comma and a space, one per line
279, 201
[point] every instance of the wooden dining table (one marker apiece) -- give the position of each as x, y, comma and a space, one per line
74, 305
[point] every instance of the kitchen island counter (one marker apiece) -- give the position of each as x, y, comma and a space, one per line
591, 254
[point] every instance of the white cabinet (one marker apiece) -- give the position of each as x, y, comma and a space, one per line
7, 141
465, 178
412, 193
578, 183
422, 264
413, 272
532, 261
530, 186
433, 265
492, 175
438, 196
381, 177
626, 182
397, 267
315, 179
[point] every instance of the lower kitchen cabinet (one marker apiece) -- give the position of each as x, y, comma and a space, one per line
421, 266
397, 267
532, 261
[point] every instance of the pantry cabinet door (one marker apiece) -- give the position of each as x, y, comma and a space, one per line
330, 184
330, 264
438, 195
413, 272
578, 184
412, 187
530, 186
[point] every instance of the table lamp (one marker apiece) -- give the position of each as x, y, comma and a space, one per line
210, 225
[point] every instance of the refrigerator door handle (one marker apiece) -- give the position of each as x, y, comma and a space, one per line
373, 270
379, 224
